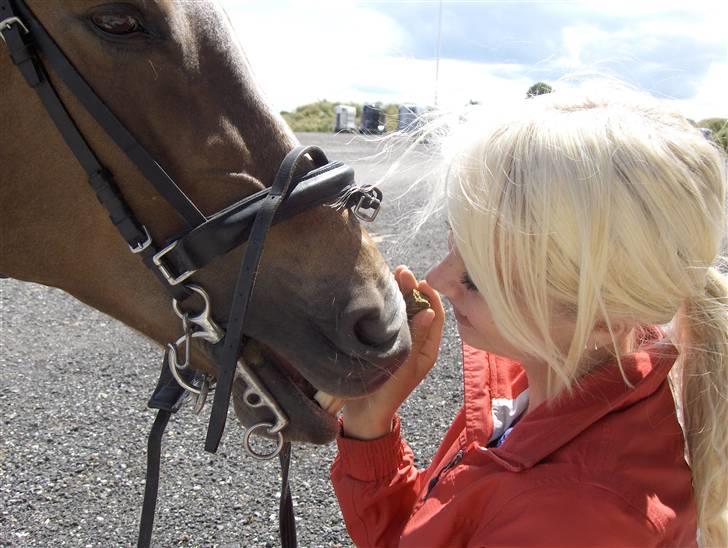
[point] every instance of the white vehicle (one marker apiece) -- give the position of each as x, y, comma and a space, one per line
410, 117
345, 118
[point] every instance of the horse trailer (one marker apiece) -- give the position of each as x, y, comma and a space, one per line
373, 119
410, 117
345, 119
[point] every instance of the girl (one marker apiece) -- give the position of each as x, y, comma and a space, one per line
584, 235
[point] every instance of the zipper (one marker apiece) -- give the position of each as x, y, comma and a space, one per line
449, 466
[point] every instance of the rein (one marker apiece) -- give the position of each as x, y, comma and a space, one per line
248, 220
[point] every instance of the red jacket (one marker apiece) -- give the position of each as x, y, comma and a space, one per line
604, 467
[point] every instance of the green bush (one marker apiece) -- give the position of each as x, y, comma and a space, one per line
719, 128
722, 138
391, 112
713, 124
316, 117
320, 116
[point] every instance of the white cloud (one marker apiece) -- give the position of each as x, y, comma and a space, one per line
711, 99
706, 9
346, 50
575, 38
625, 50
306, 51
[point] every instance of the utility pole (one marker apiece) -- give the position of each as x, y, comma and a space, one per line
439, 42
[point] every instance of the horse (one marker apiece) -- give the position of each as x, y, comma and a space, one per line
326, 316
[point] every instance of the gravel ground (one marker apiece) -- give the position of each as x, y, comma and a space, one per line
74, 420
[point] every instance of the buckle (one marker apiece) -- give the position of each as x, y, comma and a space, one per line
164, 269
370, 198
142, 245
5, 24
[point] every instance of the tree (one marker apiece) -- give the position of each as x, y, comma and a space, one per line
539, 88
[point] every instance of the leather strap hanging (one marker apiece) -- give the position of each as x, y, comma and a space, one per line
244, 287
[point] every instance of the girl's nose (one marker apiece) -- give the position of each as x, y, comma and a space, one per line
444, 277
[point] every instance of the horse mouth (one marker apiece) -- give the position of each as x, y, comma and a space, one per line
331, 404
311, 413
308, 375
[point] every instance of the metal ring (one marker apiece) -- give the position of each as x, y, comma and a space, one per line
202, 293
209, 330
201, 398
172, 348
183, 383
252, 452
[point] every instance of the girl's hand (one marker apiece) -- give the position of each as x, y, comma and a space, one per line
371, 417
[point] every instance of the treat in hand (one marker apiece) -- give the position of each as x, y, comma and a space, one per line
415, 302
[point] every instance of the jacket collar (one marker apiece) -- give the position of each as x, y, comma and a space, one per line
491, 381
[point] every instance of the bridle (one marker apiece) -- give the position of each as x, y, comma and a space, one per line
293, 191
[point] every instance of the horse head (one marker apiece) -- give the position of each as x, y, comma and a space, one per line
326, 314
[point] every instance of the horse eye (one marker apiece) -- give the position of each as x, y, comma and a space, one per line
117, 24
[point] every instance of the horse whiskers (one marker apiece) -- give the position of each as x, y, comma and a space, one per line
364, 362
154, 70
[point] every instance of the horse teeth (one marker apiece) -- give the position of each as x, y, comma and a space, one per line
328, 403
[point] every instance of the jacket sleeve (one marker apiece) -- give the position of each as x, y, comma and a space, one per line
377, 485
576, 515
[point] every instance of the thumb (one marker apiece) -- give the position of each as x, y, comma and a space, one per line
420, 327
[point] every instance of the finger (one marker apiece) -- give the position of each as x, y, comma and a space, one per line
431, 346
425, 334
434, 298
420, 326
425, 343
398, 275
407, 281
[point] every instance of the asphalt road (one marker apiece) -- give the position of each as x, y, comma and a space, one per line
74, 420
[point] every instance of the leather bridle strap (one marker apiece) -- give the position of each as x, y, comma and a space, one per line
231, 227
151, 485
21, 46
279, 191
41, 40
167, 398
286, 519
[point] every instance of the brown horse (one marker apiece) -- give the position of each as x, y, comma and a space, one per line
325, 311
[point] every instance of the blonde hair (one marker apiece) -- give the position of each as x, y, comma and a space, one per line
605, 206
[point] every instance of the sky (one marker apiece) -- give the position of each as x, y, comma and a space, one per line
303, 51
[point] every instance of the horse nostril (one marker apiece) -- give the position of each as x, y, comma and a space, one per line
372, 331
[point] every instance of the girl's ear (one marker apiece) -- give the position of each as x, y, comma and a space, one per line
621, 331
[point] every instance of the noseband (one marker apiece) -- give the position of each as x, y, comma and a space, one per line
293, 191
